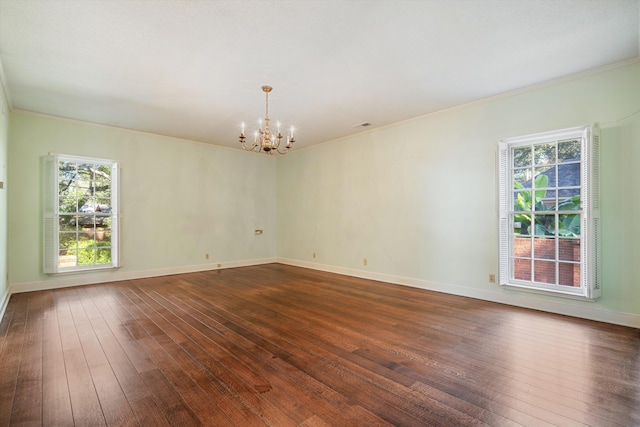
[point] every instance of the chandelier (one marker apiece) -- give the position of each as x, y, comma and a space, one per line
264, 139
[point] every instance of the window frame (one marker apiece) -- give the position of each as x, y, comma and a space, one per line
589, 263
51, 213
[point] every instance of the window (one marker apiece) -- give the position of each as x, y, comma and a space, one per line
549, 212
80, 213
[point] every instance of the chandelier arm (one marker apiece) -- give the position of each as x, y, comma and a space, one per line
249, 148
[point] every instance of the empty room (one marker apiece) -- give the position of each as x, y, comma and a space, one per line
320, 213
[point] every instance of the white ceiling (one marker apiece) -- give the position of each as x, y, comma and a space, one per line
193, 68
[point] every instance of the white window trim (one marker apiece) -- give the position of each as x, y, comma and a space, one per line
50, 214
590, 277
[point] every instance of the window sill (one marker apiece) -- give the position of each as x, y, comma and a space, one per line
77, 270
543, 291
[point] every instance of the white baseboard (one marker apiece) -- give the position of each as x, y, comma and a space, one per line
4, 301
516, 298
71, 279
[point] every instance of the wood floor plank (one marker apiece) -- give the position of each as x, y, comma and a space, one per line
281, 345
56, 405
113, 402
27, 404
11, 355
4, 325
118, 347
84, 398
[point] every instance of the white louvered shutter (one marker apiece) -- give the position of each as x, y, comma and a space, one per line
503, 212
591, 221
116, 252
49, 214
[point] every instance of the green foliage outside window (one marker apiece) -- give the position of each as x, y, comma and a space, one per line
529, 201
84, 234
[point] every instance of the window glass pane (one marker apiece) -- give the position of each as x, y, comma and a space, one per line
521, 157
521, 178
544, 272
103, 239
545, 248
522, 247
102, 174
545, 177
86, 257
569, 175
522, 201
569, 150
542, 202
545, 225
103, 205
106, 223
569, 250
544, 154
569, 225
522, 269
68, 223
522, 224
569, 274
548, 202
67, 260
566, 193
103, 256
84, 221
67, 204
66, 240
86, 241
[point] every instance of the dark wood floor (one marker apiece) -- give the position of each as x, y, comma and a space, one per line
280, 345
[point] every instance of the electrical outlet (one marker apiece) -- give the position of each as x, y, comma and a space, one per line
206, 256
364, 261
492, 278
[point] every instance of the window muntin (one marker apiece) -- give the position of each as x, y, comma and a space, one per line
547, 224
81, 226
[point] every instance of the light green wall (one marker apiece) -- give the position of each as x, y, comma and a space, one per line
418, 199
179, 199
4, 137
